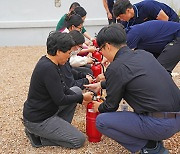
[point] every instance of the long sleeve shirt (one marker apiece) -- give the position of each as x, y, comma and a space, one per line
47, 92
138, 77
154, 40
72, 77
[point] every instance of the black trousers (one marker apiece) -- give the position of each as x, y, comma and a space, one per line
170, 56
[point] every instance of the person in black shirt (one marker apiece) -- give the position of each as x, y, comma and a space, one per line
138, 78
71, 76
50, 106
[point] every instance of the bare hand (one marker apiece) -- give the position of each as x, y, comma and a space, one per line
100, 77
90, 79
105, 62
96, 105
94, 87
88, 96
109, 15
88, 43
91, 49
85, 103
90, 60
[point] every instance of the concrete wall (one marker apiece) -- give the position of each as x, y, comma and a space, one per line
28, 22
25, 22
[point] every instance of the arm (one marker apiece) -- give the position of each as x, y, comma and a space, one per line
155, 11
87, 36
84, 32
107, 9
58, 91
115, 86
76, 61
90, 49
162, 16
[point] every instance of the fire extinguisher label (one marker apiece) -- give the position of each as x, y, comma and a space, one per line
90, 110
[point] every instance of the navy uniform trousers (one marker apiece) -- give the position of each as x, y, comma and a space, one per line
133, 130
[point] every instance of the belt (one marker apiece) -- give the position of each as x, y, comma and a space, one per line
164, 115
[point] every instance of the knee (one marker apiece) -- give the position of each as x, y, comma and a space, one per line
100, 122
76, 89
79, 141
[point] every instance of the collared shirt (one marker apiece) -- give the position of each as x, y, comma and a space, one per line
153, 35
149, 10
138, 77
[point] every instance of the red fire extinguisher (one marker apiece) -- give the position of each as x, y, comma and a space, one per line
98, 55
91, 131
96, 69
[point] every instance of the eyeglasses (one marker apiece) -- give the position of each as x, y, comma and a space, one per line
102, 46
80, 47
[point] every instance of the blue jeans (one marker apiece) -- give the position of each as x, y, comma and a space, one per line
133, 130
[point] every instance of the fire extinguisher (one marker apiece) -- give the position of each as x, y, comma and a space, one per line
91, 131
98, 55
96, 69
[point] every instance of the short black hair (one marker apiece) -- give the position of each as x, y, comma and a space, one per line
81, 11
74, 5
113, 34
59, 41
77, 37
73, 19
120, 7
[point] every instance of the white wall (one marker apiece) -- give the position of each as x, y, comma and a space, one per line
28, 22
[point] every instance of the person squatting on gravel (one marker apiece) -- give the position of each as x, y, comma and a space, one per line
50, 105
138, 78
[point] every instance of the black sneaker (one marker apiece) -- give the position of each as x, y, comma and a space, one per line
159, 149
35, 140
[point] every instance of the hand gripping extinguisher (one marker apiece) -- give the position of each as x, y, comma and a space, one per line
91, 131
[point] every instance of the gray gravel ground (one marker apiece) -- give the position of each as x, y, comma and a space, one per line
16, 65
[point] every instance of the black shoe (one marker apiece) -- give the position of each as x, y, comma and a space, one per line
35, 140
159, 149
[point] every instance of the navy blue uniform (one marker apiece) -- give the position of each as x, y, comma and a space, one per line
157, 36
149, 10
